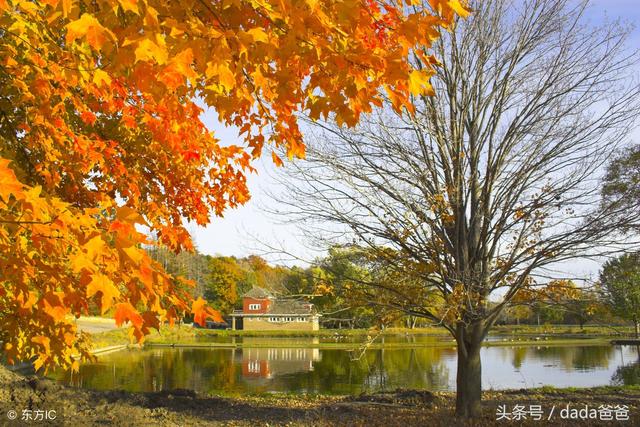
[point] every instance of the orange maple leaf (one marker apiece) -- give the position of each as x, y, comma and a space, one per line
201, 312
104, 285
90, 28
126, 312
9, 184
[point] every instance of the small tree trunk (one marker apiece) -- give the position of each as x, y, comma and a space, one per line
469, 376
637, 329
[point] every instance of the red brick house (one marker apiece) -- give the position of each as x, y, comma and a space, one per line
261, 311
257, 301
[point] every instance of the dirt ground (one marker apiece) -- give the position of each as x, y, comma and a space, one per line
75, 407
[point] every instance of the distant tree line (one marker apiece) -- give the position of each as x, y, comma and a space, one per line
335, 284
352, 289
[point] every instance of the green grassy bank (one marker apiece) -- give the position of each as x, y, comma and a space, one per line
186, 335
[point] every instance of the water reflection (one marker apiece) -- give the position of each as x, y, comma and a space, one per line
288, 368
628, 374
583, 358
270, 362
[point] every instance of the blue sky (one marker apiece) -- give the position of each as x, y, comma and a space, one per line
627, 10
236, 233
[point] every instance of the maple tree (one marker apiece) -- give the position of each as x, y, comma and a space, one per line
101, 137
561, 298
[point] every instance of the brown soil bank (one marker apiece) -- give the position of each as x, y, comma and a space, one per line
74, 407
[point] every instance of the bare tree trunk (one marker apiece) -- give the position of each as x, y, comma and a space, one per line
637, 322
469, 376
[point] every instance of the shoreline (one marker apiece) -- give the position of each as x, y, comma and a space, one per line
375, 346
187, 336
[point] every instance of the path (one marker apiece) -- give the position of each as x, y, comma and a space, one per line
95, 324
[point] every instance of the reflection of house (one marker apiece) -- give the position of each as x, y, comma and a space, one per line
261, 311
270, 362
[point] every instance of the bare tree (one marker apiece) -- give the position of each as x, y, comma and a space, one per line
491, 180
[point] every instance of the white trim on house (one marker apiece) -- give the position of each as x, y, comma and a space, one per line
240, 314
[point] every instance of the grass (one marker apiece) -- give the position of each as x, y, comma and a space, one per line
518, 330
562, 330
180, 333
106, 339
321, 332
374, 346
186, 335
547, 343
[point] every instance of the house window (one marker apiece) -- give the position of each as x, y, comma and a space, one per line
254, 366
254, 306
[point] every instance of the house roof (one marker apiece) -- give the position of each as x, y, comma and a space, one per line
258, 293
291, 307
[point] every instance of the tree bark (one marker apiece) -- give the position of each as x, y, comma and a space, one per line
469, 376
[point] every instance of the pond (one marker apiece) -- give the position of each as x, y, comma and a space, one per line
334, 371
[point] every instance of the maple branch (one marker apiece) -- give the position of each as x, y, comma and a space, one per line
45, 58
213, 13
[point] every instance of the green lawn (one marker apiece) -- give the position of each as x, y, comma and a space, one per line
352, 338
563, 330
